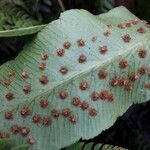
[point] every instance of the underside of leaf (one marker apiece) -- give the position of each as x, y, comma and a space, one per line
75, 78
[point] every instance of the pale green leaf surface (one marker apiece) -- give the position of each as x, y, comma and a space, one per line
71, 26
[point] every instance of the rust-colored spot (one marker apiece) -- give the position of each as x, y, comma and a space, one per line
82, 58
94, 38
8, 115
47, 120
36, 118
143, 70
142, 53
92, 112
122, 81
128, 87
147, 25
103, 49
25, 74
9, 96
121, 26
76, 101
25, 111
84, 85
25, 131
43, 79
6, 82
147, 86
95, 96
66, 112
84, 105
26, 88
73, 119
126, 38
123, 64
106, 34
114, 82
63, 95
43, 103
133, 76
31, 140
110, 97
15, 129
103, 95
63, 70
81, 42
4, 135
102, 74
141, 30
67, 45
42, 66
128, 24
60, 52
134, 21
11, 73
44, 56
56, 113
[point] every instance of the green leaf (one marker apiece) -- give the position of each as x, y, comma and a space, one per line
58, 90
15, 21
89, 146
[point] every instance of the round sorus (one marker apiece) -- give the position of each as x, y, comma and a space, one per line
36, 118
121, 26
122, 81
63, 70
11, 74
73, 119
8, 115
82, 58
106, 34
128, 24
42, 66
103, 95
95, 96
67, 45
4, 135
31, 139
141, 30
76, 101
133, 76
44, 56
43, 103
47, 120
6, 82
102, 74
143, 70
114, 82
26, 88
25, 111
126, 38
103, 49
55, 113
128, 87
43, 79
142, 53
84, 85
81, 42
66, 112
25, 131
25, 74
84, 105
92, 112
15, 129
60, 52
63, 95
9, 96
94, 38
110, 97
123, 64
